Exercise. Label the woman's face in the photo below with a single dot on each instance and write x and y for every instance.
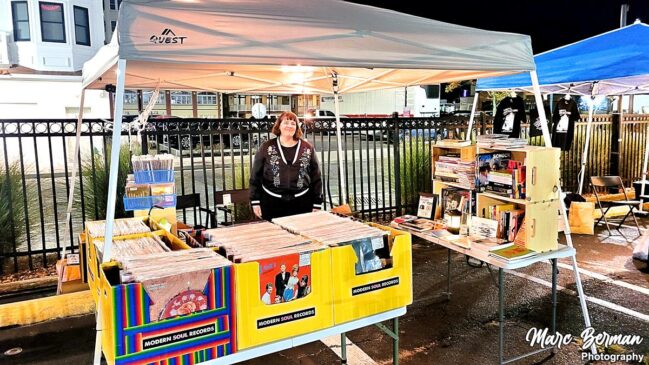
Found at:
(295, 273)
(287, 127)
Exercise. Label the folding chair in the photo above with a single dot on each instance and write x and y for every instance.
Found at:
(606, 183)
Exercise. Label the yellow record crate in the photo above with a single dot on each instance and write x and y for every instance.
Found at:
(259, 323)
(357, 296)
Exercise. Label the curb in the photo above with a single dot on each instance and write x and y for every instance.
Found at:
(45, 309)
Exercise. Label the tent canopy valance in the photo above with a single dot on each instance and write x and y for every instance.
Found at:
(612, 63)
(285, 46)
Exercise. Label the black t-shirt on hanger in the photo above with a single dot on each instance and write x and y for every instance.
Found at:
(535, 123)
(566, 113)
(509, 116)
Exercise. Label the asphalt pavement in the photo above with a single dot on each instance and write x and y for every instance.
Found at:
(462, 330)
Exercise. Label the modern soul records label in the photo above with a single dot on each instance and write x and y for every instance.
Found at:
(175, 337)
(375, 286)
(285, 318)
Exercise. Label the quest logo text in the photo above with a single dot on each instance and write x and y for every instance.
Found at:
(167, 36)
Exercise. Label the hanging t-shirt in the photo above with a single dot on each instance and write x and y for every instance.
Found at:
(509, 116)
(535, 122)
(566, 113)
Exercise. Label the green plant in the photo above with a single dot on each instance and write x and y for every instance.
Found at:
(13, 224)
(242, 211)
(95, 184)
(415, 171)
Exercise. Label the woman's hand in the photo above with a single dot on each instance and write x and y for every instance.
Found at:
(257, 210)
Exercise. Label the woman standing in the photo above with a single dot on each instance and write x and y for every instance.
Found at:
(285, 177)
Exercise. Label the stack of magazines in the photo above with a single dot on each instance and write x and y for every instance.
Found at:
(500, 141)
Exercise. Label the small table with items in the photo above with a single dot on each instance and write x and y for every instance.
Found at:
(502, 265)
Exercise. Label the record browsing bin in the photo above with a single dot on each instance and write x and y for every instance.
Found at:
(259, 323)
(132, 335)
(360, 295)
(94, 262)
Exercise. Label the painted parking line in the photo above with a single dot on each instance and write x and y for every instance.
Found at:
(603, 303)
(354, 353)
(605, 279)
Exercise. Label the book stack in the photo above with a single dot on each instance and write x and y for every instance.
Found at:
(369, 243)
(510, 220)
(511, 252)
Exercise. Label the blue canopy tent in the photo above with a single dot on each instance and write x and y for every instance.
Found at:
(612, 63)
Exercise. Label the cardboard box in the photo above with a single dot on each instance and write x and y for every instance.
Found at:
(358, 296)
(131, 335)
(259, 323)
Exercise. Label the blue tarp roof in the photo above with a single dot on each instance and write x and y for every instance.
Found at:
(615, 62)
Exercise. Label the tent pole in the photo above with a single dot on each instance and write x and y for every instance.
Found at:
(470, 126)
(342, 196)
(112, 189)
(75, 169)
(566, 231)
(584, 156)
(644, 169)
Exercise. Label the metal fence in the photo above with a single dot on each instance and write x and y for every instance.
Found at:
(387, 163)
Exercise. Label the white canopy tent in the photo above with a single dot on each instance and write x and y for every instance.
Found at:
(285, 46)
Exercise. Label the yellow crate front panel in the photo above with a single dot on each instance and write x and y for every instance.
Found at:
(259, 323)
(357, 296)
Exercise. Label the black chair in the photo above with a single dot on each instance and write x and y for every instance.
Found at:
(240, 199)
(606, 184)
(190, 201)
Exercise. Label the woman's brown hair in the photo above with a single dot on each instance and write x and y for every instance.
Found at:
(287, 116)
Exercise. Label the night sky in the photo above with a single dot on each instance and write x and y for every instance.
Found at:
(550, 23)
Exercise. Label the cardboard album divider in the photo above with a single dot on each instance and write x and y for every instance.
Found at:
(358, 296)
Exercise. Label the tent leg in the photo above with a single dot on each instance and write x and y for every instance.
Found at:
(584, 157)
(112, 187)
(643, 177)
(75, 169)
(342, 194)
(470, 126)
(114, 160)
(548, 143)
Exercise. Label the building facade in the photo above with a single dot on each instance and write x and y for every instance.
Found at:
(43, 46)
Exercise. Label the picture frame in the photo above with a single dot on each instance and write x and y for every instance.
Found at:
(427, 205)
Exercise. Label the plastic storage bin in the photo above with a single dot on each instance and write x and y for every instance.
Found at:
(153, 176)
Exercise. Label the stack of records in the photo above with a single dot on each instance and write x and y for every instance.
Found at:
(369, 243)
(256, 241)
(125, 248)
(284, 258)
(157, 265)
(121, 227)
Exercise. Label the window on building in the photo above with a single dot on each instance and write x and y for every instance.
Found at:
(81, 26)
(112, 5)
(21, 20)
(113, 24)
(206, 98)
(52, 24)
(181, 97)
